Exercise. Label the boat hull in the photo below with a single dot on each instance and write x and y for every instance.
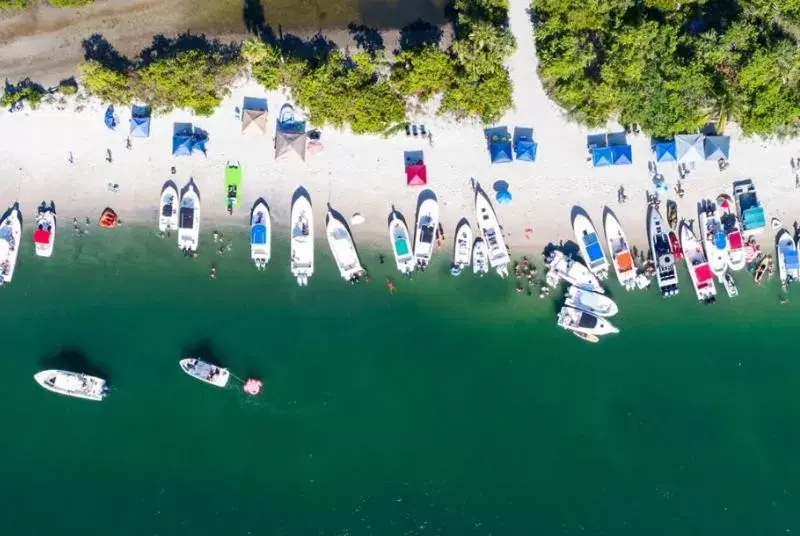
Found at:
(260, 235)
(620, 251)
(425, 232)
(198, 369)
(189, 220)
(46, 224)
(699, 270)
(400, 241)
(492, 234)
(573, 272)
(662, 252)
(342, 247)
(737, 257)
(590, 247)
(786, 250)
(301, 262)
(168, 210)
(591, 302)
(715, 243)
(462, 249)
(573, 319)
(92, 388)
(10, 236)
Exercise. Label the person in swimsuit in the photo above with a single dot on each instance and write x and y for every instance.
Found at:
(390, 286)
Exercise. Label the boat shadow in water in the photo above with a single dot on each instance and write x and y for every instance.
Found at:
(204, 350)
(74, 360)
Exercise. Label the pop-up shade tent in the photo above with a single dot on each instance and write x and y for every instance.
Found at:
(500, 150)
(140, 127)
(602, 156)
(666, 152)
(503, 197)
(689, 147)
(290, 138)
(525, 150)
(416, 174)
(182, 145)
(621, 154)
(717, 147)
(110, 120)
(254, 122)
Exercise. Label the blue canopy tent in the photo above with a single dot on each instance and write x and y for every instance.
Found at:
(525, 150)
(666, 152)
(503, 197)
(140, 127)
(716, 147)
(110, 120)
(621, 155)
(602, 156)
(500, 151)
(182, 145)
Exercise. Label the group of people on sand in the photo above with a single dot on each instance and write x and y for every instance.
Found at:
(76, 226)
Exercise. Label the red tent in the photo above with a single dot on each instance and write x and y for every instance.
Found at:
(416, 175)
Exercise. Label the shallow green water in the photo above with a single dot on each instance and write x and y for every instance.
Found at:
(453, 407)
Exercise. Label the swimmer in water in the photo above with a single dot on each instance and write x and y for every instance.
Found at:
(390, 286)
(213, 273)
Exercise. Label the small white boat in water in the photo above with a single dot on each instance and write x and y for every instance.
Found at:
(573, 319)
(589, 244)
(260, 235)
(733, 232)
(562, 267)
(302, 240)
(620, 251)
(788, 266)
(44, 234)
(730, 285)
(699, 270)
(401, 244)
(480, 257)
(715, 243)
(492, 234)
(205, 372)
(72, 384)
(168, 211)
(10, 234)
(189, 219)
(666, 270)
(343, 248)
(462, 249)
(593, 302)
(427, 222)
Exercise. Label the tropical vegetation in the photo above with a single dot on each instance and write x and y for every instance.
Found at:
(673, 65)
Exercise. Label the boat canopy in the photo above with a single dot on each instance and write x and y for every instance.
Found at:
(720, 240)
(735, 239)
(790, 259)
(703, 273)
(258, 234)
(624, 261)
(593, 248)
(41, 236)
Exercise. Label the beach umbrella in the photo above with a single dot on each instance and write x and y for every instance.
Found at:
(110, 120)
(357, 219)
(503, 197)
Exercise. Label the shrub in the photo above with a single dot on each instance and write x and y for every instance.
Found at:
(12, 5)
(107, 84)
(24, 91)
(70, 3)
(422, 72)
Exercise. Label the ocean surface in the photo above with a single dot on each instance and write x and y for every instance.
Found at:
(454, 407)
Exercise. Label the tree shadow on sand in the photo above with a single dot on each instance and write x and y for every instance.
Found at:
(97, 48)
(366, 38)
(419, 34)
(167, 47)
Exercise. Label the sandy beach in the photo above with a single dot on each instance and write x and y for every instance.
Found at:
(366, 173)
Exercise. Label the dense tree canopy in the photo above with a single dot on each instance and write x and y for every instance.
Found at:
(673, 65)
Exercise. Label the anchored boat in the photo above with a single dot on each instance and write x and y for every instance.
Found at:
(666, 271)
(715, 243)
(699, 270)
(589, 244)
(788, 266)
(44, 235)
(562, 267)
(573, 319)
(168, 211)
(260, 235)
(401, 243)
(205, 372)
(492, 234)
(302, 240)
(10, 234)
(480, 257)
(620, 251)
(342, 247)
(189, 219)
(427, 221)
(462, 249)
(751, 213)
(72, 384)
(733, 232)
(593, 302)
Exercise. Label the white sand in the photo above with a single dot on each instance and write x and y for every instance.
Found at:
(366, 173)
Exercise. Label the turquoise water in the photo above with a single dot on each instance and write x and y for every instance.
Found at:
(453, 407)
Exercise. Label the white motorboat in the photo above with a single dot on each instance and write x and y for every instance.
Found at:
(462, 249)
(666, 270)
(699, 269)
(44, 235)
(302, 245)
(730, 285)
(492, 234)
(168, 211)
(715, 243)
(751, 213)
(343, 248)
(72, 384)
(10, 234)
(573, 319)
(260, 235)
(593, 302)
(480, 257)
(562, 267)
(401, 244)
(189, 219)
(589, 244)
(737, 258)
(205, 372)
(788, 267)
(620, 251)
(427, 222)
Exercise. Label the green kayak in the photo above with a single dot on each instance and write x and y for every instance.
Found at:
(233, 185)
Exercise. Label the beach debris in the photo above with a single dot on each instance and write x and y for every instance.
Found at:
(357, 219)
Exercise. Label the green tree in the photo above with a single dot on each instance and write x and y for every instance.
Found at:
(265, 62)
(13, 5)
(486, 98)
(106, 84)
(70, 3)
(422, 72)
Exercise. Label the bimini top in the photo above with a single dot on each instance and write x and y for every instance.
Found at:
(593, 248)
(735, 238)
(258, 234)
(790, 259)
(703, 274)
(720, 240)
(41, 236)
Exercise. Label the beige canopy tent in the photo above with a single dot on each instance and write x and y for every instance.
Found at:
(254, 122)
(290, 145)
